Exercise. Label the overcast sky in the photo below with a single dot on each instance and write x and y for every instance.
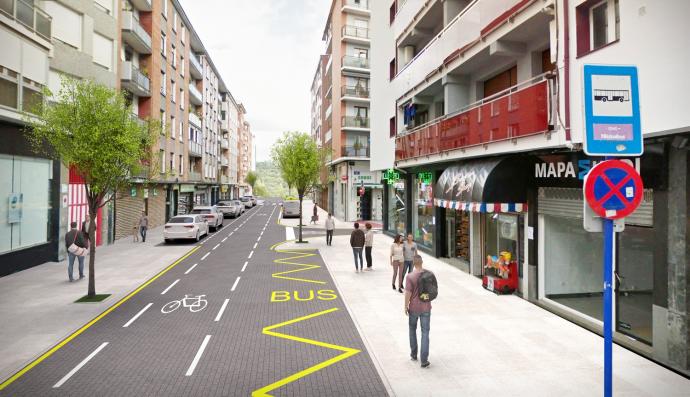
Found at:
(266, 52)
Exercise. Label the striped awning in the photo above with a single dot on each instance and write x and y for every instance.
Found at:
(481, 207)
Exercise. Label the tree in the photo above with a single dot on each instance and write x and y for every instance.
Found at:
(251, 179)
(299, 161)
(90, 127)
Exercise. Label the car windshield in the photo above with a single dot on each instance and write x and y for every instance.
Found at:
(182, 219)
(245, 199)
(224, 203)
(200, 211)
(237, 202)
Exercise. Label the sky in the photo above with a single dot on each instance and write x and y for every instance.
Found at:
(266, 52)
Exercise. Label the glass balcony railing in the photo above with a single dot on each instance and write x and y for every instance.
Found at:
(134, 80)
(355, 62)
(28, 15)
(195, 149)
(354, 151)
(355, 91)
(355, 31)
(134, 34)
(355, 121)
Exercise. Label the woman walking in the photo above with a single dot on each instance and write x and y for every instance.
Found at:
(397, 261)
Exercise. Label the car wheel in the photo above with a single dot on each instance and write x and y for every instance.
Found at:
(166, 241)
(197, 236)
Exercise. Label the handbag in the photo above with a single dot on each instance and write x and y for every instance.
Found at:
(75, 249)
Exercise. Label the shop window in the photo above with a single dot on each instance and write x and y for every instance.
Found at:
(397, 211)
(501, 235)
(635, 295)
(597, 25)
(423, 220)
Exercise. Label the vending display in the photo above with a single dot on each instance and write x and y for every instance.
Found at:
(500, 273)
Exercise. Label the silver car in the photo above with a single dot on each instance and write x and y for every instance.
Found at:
(185, 227)
(212, 215)
(230, 208)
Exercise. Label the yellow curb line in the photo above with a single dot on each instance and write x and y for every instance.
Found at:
(347, 352)
(90, 323)
(300, 253)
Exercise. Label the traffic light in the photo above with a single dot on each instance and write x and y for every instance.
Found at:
(360, 191)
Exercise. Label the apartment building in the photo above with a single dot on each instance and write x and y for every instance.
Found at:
(30, 184)
(229, 147)
(245, 151)
(317, 119)
(354, 192)
(478, 121)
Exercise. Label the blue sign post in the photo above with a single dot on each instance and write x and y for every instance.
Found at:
(612, 128)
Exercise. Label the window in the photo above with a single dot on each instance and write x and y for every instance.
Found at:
(105, 5)
(9, 88)
(163, 120)
(164, 42)
(181, 130)
(165, 9)
(173, 89)
(173, 54)
(32, 97)
(181, 66)
(391, 70)
(392, 127)
(183, 33)
(67, 24)
(597, 23)
(181, 166)
(174, 21)
(103, 51)
(161, 158)
(172, 162)
(173, 125)
(164, 82)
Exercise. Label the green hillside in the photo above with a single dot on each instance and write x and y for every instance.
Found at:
(270, 182)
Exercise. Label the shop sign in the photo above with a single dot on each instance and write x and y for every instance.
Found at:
(425, 177)
(14, 215)
(391, 175)
(399, 185)
(186, 188)
(569, 168)
(133, 192)
(224, 188)
(155, 191)
(343, 177)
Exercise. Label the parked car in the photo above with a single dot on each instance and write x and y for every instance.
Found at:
(247, 202)
(212, 215)
(291, 209)
(185, 227)
(260, 200)
(239, 205)
(229, 208)
(252, 198)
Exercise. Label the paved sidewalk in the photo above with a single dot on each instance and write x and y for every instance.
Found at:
(481, 344)
(37, 305)
(308, 208)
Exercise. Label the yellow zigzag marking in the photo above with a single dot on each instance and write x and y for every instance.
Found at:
(347, 352)
(303, 266)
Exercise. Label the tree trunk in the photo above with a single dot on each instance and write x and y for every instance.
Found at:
(301, 197)
(93, 211)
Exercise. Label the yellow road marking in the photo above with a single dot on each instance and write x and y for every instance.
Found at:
(347, 352)
(299, 254)
(90, 323)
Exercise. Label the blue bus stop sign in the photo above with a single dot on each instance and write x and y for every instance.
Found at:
(612, 111)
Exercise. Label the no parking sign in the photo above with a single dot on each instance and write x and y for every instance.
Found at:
(613, 189)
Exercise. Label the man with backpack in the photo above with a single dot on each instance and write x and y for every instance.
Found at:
(420, 289)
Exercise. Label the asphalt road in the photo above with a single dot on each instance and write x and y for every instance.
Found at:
(257, 321)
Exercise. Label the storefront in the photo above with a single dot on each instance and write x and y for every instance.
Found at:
(395, 219)
(185, 199)
(423, 217)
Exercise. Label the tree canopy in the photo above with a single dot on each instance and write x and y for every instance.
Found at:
(251, 179)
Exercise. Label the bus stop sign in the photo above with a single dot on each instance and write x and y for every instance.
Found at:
(613, 189)
(612, 111)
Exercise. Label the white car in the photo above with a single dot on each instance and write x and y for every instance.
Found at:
(230, 208)
(247, 202)
(186, 227)
(213, 215)
(291, 209)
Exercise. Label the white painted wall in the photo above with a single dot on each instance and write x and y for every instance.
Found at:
(654, 36)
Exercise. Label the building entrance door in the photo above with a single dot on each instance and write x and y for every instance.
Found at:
(365, 205)
(450, 234)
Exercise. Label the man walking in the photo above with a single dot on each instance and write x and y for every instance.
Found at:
(315, 214)
(417, 309)
(75, 236)
(330, 227)
(368, 244)
(143, 226)
(85, 227)
(409, 251)
(357, 243)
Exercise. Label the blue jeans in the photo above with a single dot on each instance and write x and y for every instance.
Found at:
(425, 320)
(407, 268)
(70, 265)
(357, 251)
(142, 231)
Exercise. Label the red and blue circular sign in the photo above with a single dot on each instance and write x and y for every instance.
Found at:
(613, 189)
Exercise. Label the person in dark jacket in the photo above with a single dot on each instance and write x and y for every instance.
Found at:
(75, 236)
(85, 226)
(357, 239)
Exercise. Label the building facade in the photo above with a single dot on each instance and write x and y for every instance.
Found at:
(245, 151)
(477, 118)
(354, 192)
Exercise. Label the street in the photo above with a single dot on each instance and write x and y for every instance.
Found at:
(255, 321)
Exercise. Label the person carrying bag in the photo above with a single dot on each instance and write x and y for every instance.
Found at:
(77, 247)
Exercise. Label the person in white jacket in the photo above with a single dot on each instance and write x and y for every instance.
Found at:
(397, 258)
(330, 227)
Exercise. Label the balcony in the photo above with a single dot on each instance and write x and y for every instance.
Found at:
(134, 81)
(224, 162)
(355, 151)
(355, 34)
(519, 111)
(134, 34)
(357, 7)
(195, 68)
(355, 122)
(32, 17)
(142, 5)
(354, 93)
(195, 149)
(194, 120)
(195, 96)
(224, 144)
(194, 176)
(225, 180)
(354, 63)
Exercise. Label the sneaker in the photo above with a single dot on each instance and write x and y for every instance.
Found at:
(413, 357)
(426, 364)
(81, 276)
(400, 290)
(393, 287)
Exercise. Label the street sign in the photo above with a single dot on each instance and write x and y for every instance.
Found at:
(612, 111)
(613, 189)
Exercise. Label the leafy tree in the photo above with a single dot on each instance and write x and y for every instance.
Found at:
(299, 161)
(90, 127)
(251, 179)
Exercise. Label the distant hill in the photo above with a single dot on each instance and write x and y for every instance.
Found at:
(270, 179)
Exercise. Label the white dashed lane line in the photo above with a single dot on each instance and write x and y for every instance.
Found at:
(222, 309)
(245, 265)
(255, 244)
(204, 257)
(217, 245)
(250, 255)
(223, 240)
(235, 285)
(191, 268)
(170, 286)
(136, 316)
(80, 365)
(199, 353)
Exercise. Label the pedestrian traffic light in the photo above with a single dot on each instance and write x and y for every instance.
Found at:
(360, 191)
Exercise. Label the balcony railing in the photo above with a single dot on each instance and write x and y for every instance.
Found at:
(355, 62)
(194, 176)
(355, 122)
(194, 95)
(354, 151)
(358, 4)
(519, 111)
(355, 31)
(142, 5)
(355, 91)
(224, 162)
(194, 119)
(134, 34)
(28, 15)
(195, 67)
(224, 144)
(225, 179)
(134, 81)
(195, 149)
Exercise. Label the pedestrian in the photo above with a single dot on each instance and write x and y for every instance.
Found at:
(76, 245)
(315, 214)
(368, 244)
(135, 231)
(417, 309)
(85, 227)
(409, 250)
(357, 243)
(330, 227)
(143, 226)
(397, 261)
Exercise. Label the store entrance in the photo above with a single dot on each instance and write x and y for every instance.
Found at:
(365, 205)
(458, 238)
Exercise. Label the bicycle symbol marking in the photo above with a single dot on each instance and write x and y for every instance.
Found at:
(194, 303)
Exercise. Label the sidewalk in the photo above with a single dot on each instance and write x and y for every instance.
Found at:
(308, 210)
(481, 344)
(37, 305)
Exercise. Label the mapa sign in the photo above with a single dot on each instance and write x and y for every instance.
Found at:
(612, 111)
